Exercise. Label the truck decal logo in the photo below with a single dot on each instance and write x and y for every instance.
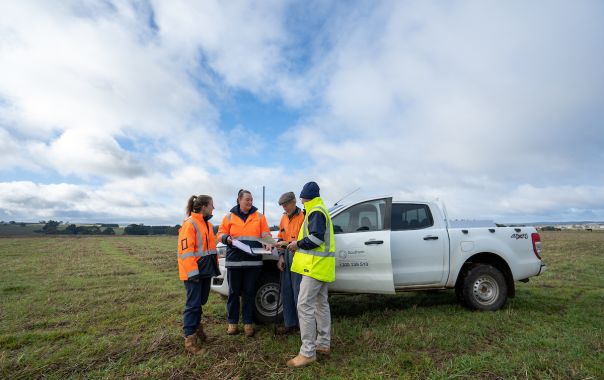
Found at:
(344, 253)
(519, 236)
(352, 258)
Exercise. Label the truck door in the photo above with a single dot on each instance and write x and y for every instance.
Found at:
(419, 246)
(362, 237)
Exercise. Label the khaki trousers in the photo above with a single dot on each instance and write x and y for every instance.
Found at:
(314, 315)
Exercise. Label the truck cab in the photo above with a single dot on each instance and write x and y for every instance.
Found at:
(385, 245)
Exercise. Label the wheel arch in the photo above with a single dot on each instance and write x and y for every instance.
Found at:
(493, 260)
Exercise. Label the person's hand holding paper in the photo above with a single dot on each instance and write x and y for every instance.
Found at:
(242, 246)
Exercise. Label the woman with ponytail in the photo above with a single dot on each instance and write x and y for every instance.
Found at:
(197, 264)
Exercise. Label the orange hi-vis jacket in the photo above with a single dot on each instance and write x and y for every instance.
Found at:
(289, 227)
(247, 231)
(195, 241)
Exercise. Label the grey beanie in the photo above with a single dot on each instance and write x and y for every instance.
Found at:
(287, 197)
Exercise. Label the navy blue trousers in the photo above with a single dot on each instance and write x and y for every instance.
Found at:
(197, 296)
(242, 283)
(290, 288)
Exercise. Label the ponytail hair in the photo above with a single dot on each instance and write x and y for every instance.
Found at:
(196, 202)
(241, 193)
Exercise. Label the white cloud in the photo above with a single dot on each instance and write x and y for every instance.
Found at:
(73, 72)
(240, 41)
(466, 101)
(89, 153)
(97, 70)
(532, 200)
(492, 107)
(11, 153)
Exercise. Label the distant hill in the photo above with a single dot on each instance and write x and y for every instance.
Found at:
(558, 223)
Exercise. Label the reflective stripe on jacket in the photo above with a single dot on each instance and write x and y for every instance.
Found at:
(247, 231)
(195, 240)
(320, 262)
(289, 228)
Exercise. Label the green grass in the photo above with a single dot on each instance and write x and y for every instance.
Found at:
(110, 307)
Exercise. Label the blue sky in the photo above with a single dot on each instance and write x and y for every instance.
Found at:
(120, 110)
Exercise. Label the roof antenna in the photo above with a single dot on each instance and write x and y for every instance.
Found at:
(352, 192)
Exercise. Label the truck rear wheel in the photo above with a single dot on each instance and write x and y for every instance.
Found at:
(484, 288)
(267, 296)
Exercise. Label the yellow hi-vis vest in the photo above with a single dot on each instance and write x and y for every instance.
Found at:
(318, 263)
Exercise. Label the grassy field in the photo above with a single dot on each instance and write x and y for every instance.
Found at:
(110, 307)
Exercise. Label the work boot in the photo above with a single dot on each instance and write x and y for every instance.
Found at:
(201, 335)
(192, 346)
(300, 361)
(248, 330)
(287, 330)
(233, 329)
(322, 350)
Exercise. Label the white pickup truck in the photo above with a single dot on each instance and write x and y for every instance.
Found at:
(387, 246)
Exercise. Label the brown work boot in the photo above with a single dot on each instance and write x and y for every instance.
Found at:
(233, 329)
(287, 330)
(300, 361)
(323, 350)
(248, 330)
(192, 346)
(201, 335)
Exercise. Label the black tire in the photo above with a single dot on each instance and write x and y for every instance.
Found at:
(459, 294)
(459, 286)
(484, 288)
(265, 301)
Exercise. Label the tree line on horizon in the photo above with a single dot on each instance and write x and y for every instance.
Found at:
(51, 227)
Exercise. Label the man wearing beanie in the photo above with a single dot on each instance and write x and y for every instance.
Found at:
(315, 261)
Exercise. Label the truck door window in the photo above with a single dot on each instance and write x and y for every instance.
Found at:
(406, 216)
(367, 216)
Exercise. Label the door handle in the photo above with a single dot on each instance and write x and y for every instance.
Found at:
(430, 237)
(374, 242)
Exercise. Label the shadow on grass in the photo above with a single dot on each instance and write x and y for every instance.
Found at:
(344, 305)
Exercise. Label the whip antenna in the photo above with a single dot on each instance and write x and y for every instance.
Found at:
(352, 192)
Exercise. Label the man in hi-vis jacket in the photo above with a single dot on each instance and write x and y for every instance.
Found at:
(315, 261)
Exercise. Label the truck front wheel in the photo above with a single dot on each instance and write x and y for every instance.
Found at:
(484, 288)
(267, 297)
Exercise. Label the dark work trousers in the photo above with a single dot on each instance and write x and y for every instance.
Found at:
(290, 287)
(197, 295)
(242, 283)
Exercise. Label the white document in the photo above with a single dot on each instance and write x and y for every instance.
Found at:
(261, 251)
(242, 246)
(254, 251)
